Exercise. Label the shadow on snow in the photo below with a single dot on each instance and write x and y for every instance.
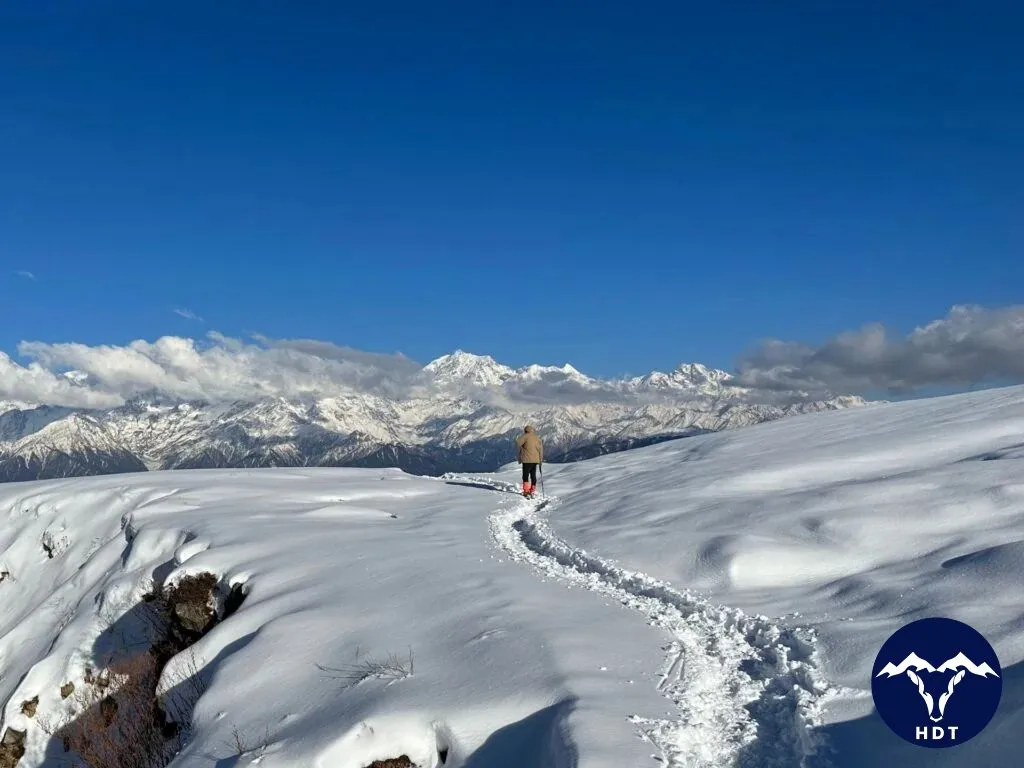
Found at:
(540, 740)
(867, 741)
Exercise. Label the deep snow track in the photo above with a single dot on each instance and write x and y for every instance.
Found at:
(747, 690)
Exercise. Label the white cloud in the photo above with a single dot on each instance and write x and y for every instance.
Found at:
(188, 314)
(971, 345)
(35, 384)
(221, 368)
(372, 371)
(26, 274)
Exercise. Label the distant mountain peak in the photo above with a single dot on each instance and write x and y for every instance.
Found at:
(461, 367)
(76, 378)
(694, 378)
(701, 371)
(552, 370)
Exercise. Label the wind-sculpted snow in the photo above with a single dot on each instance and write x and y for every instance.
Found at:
(377, 621)
(747, 690)
(717, 601)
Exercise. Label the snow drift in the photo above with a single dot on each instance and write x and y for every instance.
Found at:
(716, 601)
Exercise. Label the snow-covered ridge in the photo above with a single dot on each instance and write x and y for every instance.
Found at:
(461, 369)
(459, 416)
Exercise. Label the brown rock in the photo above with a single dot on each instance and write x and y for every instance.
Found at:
(12, 747)
(194, 617)
(393, 762)
(191, 601)
(28, 708)
(66, 690)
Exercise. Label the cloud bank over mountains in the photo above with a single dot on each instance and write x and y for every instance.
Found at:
(970, 345)
(224, 369)
(217, 368)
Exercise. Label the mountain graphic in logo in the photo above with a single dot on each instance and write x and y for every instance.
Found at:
(942, 721)
(913, 661)
(960, 661)
(959, 665)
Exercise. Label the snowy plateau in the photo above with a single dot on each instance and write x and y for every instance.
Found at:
(714, 602)
(460, 415)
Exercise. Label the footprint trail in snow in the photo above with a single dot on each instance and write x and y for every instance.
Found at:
(747, 690)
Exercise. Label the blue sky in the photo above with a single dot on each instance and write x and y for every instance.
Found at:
(619, 185)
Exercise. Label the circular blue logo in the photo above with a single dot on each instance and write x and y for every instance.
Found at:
(936, 682)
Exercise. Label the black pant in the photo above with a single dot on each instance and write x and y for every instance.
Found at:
(530, 473)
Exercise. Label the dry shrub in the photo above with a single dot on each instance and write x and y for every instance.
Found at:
(119, 720)
(393, 668)
(122, 724)
(242, 744)
(119, 725)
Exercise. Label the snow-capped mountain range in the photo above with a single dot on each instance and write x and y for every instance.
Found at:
(460, 414)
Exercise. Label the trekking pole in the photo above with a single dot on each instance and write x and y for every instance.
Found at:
(540, 468)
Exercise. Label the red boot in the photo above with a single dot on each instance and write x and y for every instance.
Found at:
(528, 490)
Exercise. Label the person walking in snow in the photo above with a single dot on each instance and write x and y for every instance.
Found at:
(531, 455)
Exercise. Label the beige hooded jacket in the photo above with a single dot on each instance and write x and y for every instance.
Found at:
(531, 449)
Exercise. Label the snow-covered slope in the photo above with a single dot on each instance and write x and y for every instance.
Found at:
(342, 567)
(709, 602)
(851, 523)
(460, 416)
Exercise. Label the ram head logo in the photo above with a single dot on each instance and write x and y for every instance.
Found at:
(914, 665)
